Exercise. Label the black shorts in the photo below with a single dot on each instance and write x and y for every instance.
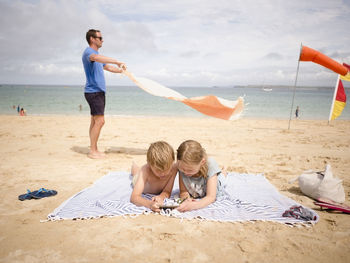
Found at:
(97, 102)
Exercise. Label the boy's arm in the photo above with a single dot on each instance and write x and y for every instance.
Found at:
(136, 195)
(166, 193)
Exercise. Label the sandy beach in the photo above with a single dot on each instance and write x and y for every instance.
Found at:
(50, 152)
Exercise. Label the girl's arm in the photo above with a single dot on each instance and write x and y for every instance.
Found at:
(136, 195)
(191, 204)
(184, 194)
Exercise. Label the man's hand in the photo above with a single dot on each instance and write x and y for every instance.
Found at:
(122, 65)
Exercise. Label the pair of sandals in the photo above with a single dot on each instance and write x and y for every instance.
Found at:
(331, 205)
(38, 194)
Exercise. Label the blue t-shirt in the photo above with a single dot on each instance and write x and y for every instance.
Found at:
(95, 78)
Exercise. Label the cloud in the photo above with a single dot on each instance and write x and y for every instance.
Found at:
(340, 56)
(273, 56)
(176, 42)
(190, 54)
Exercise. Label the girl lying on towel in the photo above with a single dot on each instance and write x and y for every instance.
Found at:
(199, 176)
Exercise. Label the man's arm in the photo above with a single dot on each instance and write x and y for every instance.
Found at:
(112, 69)
(107, 60)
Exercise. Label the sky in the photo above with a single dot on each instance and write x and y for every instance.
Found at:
(176, 43)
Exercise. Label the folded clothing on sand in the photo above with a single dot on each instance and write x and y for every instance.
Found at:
(248, 197)
(299, 212)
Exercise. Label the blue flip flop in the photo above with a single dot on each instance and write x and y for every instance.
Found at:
(26, 196)
(38, 194)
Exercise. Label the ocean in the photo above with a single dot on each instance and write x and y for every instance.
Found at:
(314, 102)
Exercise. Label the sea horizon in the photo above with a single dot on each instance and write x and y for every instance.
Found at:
(187, 86)
(261, 101)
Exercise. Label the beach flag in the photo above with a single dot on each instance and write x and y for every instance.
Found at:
(209, 105)
(309, 54)
(347, 76)
(339, 97)
(339, 100)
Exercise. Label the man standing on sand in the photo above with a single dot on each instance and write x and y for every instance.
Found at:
(95, 86)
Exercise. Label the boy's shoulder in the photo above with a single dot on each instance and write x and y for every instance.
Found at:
(147, 172)
(146, 169)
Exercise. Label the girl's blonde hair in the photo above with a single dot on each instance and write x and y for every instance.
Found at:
(191, 152)
(160, 155)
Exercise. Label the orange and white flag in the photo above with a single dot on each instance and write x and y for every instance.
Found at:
(209, 105)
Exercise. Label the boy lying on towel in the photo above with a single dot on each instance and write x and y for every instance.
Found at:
(155, 177)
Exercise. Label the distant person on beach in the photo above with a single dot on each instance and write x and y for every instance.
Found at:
(199, 177)
(95, 86)
(18, 108)
(22, 112)
(155, 177)
(297, 113)
(80, 107)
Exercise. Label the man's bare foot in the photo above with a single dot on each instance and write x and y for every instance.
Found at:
(96, 155)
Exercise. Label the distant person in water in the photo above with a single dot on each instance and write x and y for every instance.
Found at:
(80, 107)
(95, 86)
(297, 113)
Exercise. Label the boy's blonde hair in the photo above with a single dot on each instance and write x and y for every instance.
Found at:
(191, 152)
(160, 155)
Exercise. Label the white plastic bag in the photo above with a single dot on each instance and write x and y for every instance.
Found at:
(322, 185)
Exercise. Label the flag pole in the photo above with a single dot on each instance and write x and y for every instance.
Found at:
(295, 85)
(334, 96)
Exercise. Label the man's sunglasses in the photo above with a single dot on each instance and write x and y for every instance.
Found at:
(99, 38)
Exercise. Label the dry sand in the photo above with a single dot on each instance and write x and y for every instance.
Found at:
(50, 152)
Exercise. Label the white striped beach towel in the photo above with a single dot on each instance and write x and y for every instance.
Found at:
(248, 197)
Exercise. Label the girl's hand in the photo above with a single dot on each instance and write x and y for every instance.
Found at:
(187, 205)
